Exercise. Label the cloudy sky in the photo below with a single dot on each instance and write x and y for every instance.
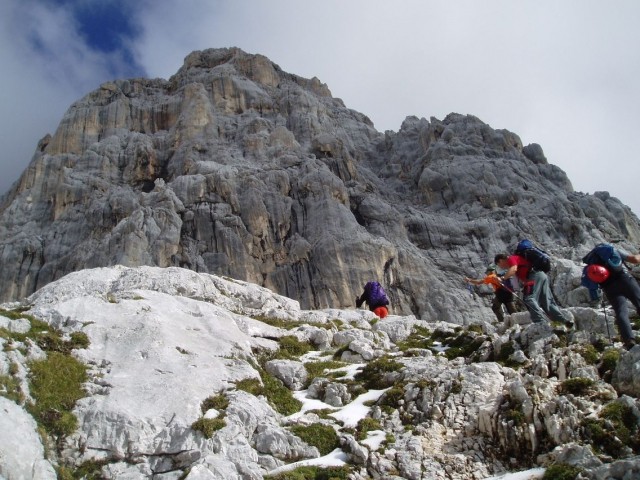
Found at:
(563, 74)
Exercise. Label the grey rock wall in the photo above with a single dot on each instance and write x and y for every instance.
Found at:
(235, 167)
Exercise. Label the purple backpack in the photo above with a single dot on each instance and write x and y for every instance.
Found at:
(375, 294)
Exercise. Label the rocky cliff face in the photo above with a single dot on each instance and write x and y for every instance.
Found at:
(235, 167)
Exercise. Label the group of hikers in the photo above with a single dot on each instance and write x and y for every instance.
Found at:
(526, 270)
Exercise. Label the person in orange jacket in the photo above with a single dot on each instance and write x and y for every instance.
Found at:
(503, 295)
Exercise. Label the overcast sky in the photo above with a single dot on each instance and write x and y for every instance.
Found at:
(563, 74)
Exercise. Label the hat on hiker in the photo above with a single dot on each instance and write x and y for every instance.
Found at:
(491, 268)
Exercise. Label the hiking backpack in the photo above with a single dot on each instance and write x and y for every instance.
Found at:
(539, 259)
(604, 254)
(376, 295)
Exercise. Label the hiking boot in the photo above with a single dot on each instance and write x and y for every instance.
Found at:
(629, 344)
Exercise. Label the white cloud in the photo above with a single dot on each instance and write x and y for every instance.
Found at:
(560, 74)
(46, 67)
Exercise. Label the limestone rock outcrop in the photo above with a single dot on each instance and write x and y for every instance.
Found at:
(193, 376)
(235, 167)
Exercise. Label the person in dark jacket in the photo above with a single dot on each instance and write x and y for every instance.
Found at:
(375, 297)
(618, 287)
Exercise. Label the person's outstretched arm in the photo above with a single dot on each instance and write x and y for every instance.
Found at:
(633, 258)
(360, 300)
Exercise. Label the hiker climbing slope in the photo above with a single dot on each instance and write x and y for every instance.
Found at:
(530, 265)
(375, 297)
(503, 295)
(617, 284)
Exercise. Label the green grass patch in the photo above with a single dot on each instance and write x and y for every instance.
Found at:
(373, 375)
(463, 346)
(601, 438)
(461, 343)
(577, 386)
(337, 375)
(506, 350)
(365, 426)
(89, 470)
(208, 426)
(609, 361)
(42, 334)
(616, 429)
(476, 328)
(10, 388)
(338, 354)
(456, 385)
(624, 423)
(291, 348)
(420, 337)
(217, 402)
(324, 413)
(516, 416)
(16, 313)
(250, 385)
(561, 471)
(317, 369)
(590, 354)
(323, 437)
(390, 400)
(278, 396)
(56, 385)
(37, 328)
(313, 473)
(291, 324)
(277, 322)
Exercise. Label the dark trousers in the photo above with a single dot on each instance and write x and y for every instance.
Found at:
(503, 297)
(618, 290)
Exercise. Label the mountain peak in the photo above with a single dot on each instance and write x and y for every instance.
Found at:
(234, 167)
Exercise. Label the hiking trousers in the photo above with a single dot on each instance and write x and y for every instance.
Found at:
(618, 291)
(503, 297)
(539, 299)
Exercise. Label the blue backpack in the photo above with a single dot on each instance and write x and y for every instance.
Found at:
(604, 254)
(376, 295)
(539, 259)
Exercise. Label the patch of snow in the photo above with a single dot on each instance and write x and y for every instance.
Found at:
(355, 411)
(533, 474)
(337, 458)
(374, 439)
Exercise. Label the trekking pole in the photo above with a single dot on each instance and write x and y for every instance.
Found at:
(467, 281)
(524, 303)
(470, 288)
(510, 290)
